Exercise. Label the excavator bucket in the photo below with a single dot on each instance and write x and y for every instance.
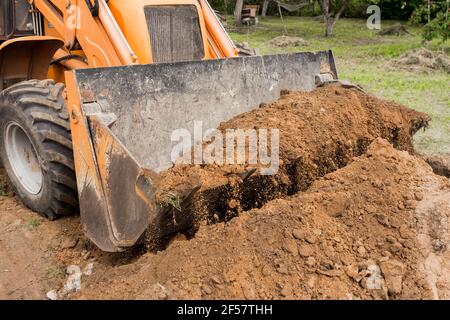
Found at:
(122, 119)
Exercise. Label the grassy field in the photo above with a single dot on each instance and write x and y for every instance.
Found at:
(362, 56)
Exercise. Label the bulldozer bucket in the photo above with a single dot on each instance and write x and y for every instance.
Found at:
(122, 119)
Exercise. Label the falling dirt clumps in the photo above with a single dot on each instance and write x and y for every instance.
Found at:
(422, 60)
(287, 41)
(319, 132)
(375, 229)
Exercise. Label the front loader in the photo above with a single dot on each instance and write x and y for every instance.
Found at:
(92, 90)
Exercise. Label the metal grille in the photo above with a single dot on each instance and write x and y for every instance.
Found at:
(175, 33)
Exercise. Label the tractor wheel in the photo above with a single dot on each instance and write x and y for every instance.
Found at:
(36, 147)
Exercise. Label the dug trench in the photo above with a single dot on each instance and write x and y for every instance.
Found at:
(319, 132)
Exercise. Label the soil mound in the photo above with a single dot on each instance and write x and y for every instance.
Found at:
(320, 132)
(286, 41)
(376, 229)
(422, 60)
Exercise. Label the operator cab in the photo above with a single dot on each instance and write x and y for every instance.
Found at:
(16, 19)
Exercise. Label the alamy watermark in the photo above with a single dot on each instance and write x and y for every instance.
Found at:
(374, 20)
(257, 147)
(73, 18)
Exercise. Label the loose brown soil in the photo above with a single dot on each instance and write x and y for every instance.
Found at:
(352, 214)
(35, 252)
(320, 132)
(354, 234)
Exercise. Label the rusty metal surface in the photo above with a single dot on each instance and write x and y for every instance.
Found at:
(93, 207)
(128, 191)
(150, 101)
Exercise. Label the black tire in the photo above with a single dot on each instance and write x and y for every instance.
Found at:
(38, 108)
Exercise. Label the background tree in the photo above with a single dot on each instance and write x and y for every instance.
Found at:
(332, 11)
(238, 12)
(264, 7)
(434, 15)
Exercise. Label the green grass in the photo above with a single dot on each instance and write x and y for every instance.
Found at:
(54, 272)
(362, 57)
(174, 201)
(348, 35)
(33, 223)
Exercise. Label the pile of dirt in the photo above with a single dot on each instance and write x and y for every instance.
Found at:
(376, 229)
(287, 41)
(320, 132)
(395, 30)
(422, 60)
(344, 217)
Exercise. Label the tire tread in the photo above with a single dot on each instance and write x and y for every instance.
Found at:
(43, 104)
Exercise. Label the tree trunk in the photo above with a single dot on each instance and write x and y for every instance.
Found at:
(238, 12)
(265, 6)
(329, 27)
(329, 19)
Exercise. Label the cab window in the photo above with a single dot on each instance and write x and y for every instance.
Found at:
(3, 13)
(22, 15)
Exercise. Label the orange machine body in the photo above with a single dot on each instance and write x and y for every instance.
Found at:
(119, 35)
(123, 101)
(75, 34)
(100, 44)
